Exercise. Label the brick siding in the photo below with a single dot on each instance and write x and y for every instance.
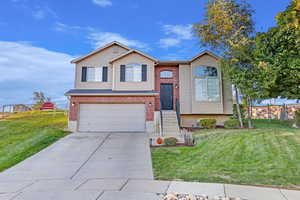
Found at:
(147, 100)
(174, 80)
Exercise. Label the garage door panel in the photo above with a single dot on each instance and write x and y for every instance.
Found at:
(111, 117)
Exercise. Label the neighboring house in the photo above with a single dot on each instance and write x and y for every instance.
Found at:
(122, 89)
(15, 108)
(47, 106)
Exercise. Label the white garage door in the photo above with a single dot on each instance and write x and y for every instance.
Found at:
(111, 117)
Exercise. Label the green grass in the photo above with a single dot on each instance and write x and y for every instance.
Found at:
(268, 155)
(24, 134)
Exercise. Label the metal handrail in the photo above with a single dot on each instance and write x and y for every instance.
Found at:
(161, 118)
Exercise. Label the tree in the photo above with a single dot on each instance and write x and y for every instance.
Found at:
(277, 54)
(228, 27)
(39, 98)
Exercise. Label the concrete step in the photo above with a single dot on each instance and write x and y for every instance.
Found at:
(170, 123)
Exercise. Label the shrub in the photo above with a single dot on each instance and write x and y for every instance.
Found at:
(208, 123)
(232, 123)
(297, 117)
(171, 141)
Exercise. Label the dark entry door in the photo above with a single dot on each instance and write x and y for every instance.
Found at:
(166, 96)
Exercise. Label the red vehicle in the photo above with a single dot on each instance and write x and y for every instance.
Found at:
(47, 106)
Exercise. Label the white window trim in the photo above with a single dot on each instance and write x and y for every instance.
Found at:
(171, 72)
(206, 78)
(98, 74)
(135, 74)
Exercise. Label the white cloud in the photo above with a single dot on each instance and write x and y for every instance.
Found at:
(25, 68)
(99, 39)
(169, 42)
(61, 27)
(102, 3)
(177, 34)
(183, 32)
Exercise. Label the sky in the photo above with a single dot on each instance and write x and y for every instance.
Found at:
(38, 39)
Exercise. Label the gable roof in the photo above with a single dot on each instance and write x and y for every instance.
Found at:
(100, 49)
(133, 51)
(203, 53)
(177, 62)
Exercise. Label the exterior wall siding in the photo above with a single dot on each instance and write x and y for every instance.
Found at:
(185, 89)
(174, 80)
(133, 58)
(147, 100)
(188, 104)
(98, 60)
(191, 121)
(206, 107)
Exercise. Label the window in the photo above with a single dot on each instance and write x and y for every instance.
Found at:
(166, 74)
(133, 72)
(206, 84)
(94, 74)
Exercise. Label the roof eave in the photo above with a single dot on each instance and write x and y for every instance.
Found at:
(98, 50)
(133, 51)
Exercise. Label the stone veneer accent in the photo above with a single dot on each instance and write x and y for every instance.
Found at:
(274, 111)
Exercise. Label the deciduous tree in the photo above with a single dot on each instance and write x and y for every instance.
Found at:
(228, 26)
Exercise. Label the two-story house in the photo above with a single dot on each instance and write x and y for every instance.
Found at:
(119, 89)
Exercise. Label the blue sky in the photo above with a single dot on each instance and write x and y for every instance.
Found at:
(39, 38)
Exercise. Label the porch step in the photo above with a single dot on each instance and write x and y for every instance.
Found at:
(170, 123)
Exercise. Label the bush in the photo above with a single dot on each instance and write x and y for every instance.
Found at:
(232, 123)
(297, 117)
(171, 141)
(208, 123)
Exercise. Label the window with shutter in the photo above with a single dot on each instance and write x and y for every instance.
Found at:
(94, 74)
(133, 72)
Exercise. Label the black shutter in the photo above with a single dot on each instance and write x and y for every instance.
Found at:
(122, 73)
(144, 72)
(104, 74)
(83, 74)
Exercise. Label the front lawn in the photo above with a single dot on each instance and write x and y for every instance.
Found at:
(268, 155)
(24, 134)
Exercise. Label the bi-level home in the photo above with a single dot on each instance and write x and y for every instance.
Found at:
(119, 89)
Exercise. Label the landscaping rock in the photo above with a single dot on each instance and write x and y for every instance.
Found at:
(196, 197)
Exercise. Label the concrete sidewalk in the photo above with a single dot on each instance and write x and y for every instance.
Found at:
(131, 189)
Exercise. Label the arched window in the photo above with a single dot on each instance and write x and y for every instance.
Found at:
(207, 84)
(166, 74)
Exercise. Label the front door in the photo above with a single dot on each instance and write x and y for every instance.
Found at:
(166, 96)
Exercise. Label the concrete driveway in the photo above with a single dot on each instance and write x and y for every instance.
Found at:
(86, 156)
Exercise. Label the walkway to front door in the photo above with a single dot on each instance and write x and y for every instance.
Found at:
(166, 96)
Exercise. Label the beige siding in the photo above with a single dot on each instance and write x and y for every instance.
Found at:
(188, 104)
(100, 59)
(185, 89)
(192, 120)
(133, 58)
(206, 107)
